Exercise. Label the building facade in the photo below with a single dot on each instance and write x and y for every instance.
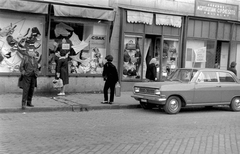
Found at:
(176, 33)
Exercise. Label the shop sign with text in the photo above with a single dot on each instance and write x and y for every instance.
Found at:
(216, 10)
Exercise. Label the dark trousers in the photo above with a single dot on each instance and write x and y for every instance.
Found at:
(107, 85)
(29, 83)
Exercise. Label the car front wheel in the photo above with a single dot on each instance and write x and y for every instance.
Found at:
(173, 105)
(235, 104)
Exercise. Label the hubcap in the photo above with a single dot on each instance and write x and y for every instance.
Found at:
(237, 102)
(174, 104)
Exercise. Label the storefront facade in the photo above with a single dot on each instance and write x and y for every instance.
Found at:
(47, 28)
(167, 33)
(205, 37)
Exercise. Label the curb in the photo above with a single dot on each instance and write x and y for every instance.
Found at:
(73, 108)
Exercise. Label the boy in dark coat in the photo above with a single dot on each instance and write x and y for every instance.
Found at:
(110, 76)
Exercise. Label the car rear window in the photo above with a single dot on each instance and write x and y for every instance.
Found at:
(225, 77)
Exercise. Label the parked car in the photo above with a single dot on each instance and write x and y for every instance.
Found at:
(190, 87)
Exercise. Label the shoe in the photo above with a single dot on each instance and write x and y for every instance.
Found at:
(110, 102)
(61, 94)
(30, 105)
(23, 107)
(104, 102)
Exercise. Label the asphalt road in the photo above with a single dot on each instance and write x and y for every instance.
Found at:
(124, 131)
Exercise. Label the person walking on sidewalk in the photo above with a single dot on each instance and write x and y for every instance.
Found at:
(29, 71)
(232, 67)
(110, 76)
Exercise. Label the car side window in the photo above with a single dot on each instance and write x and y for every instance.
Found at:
(225, 77)
(207, 77)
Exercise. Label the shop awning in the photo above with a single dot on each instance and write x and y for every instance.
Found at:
(24, 6)
(168, 20)
(139, 17)
(93, 13)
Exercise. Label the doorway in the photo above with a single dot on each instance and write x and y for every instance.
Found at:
(163, 52)
(222, 51)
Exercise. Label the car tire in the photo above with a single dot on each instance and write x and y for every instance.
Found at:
(235, 104)
(173, 105)
(146, 106)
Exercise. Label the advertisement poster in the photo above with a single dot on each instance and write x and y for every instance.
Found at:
(200, 54)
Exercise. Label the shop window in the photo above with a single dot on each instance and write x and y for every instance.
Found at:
(132, 57)
(201, 54)
(19, 34)
(84, 43)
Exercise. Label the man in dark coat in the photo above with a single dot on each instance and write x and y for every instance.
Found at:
(232, 67)
(29, 70)
(110, 76)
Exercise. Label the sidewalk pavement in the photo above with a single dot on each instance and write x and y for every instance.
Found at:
(11, 102)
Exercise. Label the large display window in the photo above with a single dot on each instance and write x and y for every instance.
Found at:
(84, 43)
(202, 54)
(132, 57)
(19, 33)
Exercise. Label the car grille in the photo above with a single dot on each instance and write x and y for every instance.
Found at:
(144, 90)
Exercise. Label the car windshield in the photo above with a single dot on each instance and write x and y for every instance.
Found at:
(182, 75)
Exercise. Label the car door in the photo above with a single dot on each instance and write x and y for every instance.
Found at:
(229, 86)
(207, 88)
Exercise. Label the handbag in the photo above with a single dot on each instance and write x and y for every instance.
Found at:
(117, 90)
(57, 83)
(20, 82)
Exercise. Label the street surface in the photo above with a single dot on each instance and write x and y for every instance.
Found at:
(124, 131)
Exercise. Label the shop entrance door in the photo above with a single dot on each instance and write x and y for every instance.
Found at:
(152, 48)
(221, 57)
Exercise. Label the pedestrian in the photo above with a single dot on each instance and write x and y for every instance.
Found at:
(62, 71)
(110, 76)
(151, 73)
(29, 71)
(232, 67)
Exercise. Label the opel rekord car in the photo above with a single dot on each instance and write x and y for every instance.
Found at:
(190, 87)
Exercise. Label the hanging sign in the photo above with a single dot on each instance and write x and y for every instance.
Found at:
(216, 10)
(200, 54)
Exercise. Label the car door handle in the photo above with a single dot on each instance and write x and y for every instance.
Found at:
(219, 86)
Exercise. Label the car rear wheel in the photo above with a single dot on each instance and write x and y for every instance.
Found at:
(235, 104)
(145, 105)
(173, 105)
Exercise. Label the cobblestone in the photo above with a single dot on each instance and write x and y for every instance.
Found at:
(132, 131)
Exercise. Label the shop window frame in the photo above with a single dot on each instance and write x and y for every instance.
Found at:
(79, 21)
(42, 19)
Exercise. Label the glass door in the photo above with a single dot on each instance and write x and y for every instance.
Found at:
(169, 59)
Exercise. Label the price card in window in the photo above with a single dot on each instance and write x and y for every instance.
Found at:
(66, 46)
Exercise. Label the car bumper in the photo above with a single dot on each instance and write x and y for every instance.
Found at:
(159, 100)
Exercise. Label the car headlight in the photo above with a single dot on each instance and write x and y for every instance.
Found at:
(136, 89)
(157, 92)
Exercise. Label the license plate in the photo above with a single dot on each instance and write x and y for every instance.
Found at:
(143, 100)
